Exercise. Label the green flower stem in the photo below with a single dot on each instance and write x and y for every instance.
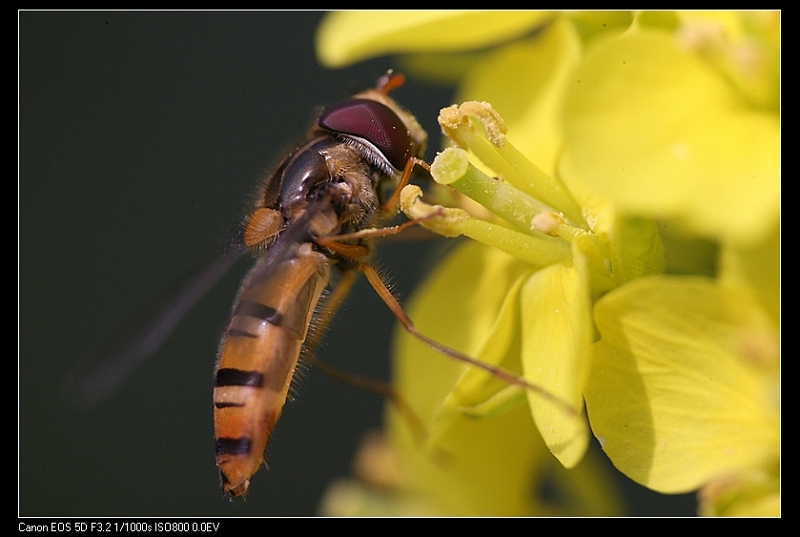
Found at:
(525, 213)
(479, 128)
(452, 167)
(533, 247)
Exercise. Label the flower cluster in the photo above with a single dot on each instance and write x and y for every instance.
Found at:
(625, 257)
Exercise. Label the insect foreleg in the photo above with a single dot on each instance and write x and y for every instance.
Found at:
(390, 206)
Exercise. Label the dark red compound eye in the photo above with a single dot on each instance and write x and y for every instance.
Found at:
(375, 123)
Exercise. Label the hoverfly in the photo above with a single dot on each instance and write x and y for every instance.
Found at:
(316, 213)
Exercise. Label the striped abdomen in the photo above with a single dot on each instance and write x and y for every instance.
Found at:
(258, 358)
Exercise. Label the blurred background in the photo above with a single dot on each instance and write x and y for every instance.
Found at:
(141, 138)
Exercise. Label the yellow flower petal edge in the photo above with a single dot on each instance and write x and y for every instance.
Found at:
(684, 382)
(556, 332)
(346, 37)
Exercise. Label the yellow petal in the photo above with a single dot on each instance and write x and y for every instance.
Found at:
(496, 466)
(525, 83)
(347, 37)
(458, 306)
(555, 353)
(477, 467)
(683, 387)
(757, 267)
(743, 45)
(654, 129)
(477, 392)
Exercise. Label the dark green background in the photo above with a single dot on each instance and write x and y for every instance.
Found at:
(141, 138)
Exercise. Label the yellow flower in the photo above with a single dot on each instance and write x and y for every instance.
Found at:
(610, 121)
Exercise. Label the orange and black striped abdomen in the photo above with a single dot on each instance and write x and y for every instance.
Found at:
(258, 358)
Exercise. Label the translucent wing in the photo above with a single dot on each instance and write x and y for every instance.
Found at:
(106, 370)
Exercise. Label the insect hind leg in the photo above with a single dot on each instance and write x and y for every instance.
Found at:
(388, 298)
